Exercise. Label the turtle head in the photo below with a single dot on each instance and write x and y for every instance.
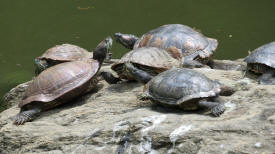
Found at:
(130, 68)
(103, 50)
(127, 40)
(40, 65)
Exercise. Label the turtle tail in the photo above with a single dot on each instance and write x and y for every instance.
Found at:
(25, 116)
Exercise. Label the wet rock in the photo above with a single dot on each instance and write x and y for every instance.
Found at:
(113, 120)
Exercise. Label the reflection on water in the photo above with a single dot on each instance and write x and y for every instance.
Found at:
(28, 28)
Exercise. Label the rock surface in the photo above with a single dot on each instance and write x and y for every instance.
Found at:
(112, 120)
(15, 94)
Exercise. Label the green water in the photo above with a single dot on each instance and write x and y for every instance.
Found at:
(29, 27)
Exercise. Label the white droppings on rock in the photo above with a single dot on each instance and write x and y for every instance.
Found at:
(75, 121)
(149, 124)
(258, 145)
(153, 121)
(92, 134)
(99, 148)
(178, 132)
(230, 106)
(245, 81)
(77, 148)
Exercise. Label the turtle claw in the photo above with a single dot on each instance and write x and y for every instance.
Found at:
(218, 110)
(21, 118)
(25, 116)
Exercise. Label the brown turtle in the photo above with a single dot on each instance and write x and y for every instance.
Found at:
(61, 83)
(59, 54)
(141, 64)
(181, 41)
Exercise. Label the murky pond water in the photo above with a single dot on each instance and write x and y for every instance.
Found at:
(28, 28)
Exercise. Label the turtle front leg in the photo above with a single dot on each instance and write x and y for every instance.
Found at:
(40, 65)
(216, 108)
(140, 75)
(127, 40)
(110, 78)
(25, 116)
(267, 78)
(143, 96)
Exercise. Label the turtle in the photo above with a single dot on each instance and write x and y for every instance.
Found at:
(62, 53)
(141, 64)
(180, 41)
(186, 89)
(61, 83)
(262, 61)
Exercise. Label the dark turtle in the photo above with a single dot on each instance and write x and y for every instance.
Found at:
(141, 64)
(185, 88)
(60, 84)
(59, 54)
(262, 61)
(181, 41)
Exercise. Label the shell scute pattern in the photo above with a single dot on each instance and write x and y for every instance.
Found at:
(152, 57)
(181, 37)
(66, 52)
(263, 55)
(56, 81)
(177, 86)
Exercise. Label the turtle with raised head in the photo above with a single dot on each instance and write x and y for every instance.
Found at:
(61, 83)
(180, 41)
(62, 53)
(141, 64)
(262, 61)
(186, 89)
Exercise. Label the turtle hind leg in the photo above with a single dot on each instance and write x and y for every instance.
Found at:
(267, 78)
(110, 78)
(25, 116)
(140, 75)
(216, 108)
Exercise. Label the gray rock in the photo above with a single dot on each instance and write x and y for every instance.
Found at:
(237, 65)
(112, 120)
(15, 95)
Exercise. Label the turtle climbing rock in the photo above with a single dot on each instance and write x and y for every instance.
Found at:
(61, 53)
(141, 64)
(186, 89)
(180, 41)
(262, 61)
(60, 84)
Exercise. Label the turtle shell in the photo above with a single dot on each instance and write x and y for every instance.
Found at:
(263, 55)
(178, 87)
(179, 40)
(61, 82)
(152, 58)
(66, 52)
